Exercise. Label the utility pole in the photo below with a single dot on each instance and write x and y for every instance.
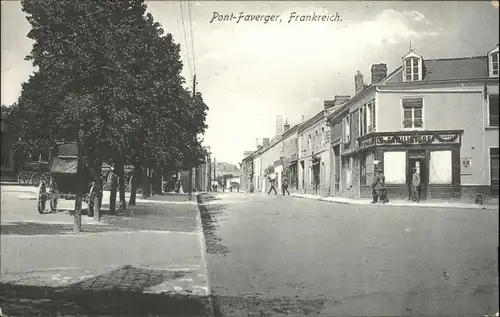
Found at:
(191, 168)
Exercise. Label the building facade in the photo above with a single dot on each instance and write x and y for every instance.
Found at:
(438, 116)
(314, 156)
(290, 155)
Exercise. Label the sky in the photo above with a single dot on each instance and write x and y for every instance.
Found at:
(250, 72)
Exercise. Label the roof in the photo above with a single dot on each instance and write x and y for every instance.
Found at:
(449, 69)
(289, 131)
(311, 121)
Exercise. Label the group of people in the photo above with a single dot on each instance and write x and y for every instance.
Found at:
(380, 192)
(223, 186)
(284, 184)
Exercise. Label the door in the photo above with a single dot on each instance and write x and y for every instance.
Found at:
(419, 164)
(302, 167)
(494, 171)
(336, 153)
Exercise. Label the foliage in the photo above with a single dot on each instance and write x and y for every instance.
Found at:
(106, 67)
(269, 170)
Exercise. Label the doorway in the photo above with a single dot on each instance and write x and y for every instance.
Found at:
(303, 169)
(421, 166)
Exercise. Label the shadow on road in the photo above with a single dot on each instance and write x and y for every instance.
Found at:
(213, 243)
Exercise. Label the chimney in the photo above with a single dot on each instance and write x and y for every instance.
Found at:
(340, 99)
(265, 142)
(379, 72)
(358, 82)
(302, 118)
(329, 104)
(286, 127)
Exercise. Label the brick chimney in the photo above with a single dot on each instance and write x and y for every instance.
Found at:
(340, 99)
(358, 82)
(265, 142)
(329, 104)
(379, 72)
(286, 126)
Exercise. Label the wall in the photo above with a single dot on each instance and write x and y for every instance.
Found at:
(462, 110)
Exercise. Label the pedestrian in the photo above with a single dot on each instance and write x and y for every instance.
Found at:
(272, 180)
(415, 185)
(238, 187)
(284, 186)
(378, 187)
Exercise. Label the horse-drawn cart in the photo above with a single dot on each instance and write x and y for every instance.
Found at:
(61, 181)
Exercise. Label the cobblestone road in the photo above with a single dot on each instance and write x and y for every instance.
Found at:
(285, 256)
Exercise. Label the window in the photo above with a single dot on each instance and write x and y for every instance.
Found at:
(362, 121)
(395, 167)
(346, 133)
(412, 113)
(370, 116)
(322, 136)
(362, 170)
(494, 64)
(412, 69)
(494, 113)
(440, 167)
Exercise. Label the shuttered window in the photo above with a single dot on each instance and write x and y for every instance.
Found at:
(494, 113)
(412, 113)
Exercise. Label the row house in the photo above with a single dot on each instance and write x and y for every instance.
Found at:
(289, 155)
(439, 116)
(314, 155)
(270, 158)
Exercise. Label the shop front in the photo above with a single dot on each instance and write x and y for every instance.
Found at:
(435, 155)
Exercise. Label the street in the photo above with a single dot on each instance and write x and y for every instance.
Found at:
(265, 256)
(276, 256)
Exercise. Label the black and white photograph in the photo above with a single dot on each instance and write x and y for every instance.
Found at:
(249, 158)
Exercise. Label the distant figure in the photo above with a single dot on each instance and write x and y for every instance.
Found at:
(178, 186)
(214, 185)
(415, 186)
(238, 187)
(378, 187)
(284, 186)
(272, 180)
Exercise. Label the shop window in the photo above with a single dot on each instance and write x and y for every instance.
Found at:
(412, 113)
(440, 167)
(362, 170)
(395, 167)
(494, 113)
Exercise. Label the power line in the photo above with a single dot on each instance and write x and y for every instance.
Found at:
(185, 37)
(192, 37)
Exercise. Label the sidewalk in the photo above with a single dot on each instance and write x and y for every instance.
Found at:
(155, 247)
(399, 203)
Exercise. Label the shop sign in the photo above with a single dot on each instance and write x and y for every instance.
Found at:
(417, 138)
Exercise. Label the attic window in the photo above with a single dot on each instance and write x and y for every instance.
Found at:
(412, 69)
(494, 63)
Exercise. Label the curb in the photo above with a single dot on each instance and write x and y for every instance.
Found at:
(442, 205)
(203, 252)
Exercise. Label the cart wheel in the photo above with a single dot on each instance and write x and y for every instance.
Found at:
(20, 178)
(53, 204)
(35, 179)
(42, 198)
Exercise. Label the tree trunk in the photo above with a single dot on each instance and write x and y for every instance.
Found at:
(112, 196)
(97, 191)
(190, 184)
(133, 186)
(77, 225)
(120, 170)
(157, 181)
(146, 190)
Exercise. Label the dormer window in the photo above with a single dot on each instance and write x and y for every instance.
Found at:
(412, 67)
(493, 62)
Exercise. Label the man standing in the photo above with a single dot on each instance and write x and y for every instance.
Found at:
(378, 187)
(415, 186)
(272, 180)
(284, 186)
